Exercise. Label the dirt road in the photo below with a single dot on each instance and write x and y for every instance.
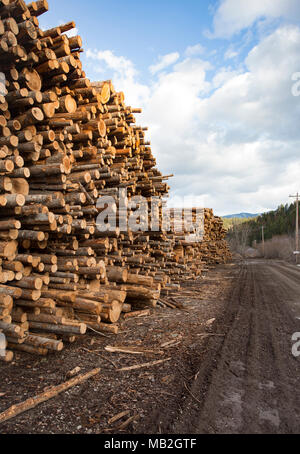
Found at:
(249, 381)
(229, 367)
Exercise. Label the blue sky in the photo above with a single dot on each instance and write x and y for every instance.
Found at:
(138, 29)
(214, 79)
(142, 30)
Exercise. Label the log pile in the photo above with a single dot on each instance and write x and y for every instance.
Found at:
(198, 244)
(66, 144)
(214, 247)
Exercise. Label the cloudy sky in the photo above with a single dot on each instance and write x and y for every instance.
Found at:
(217, 82)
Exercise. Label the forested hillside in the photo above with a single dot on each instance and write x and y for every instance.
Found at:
(276, 223)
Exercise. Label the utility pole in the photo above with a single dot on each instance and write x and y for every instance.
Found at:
(263, 239)
(297, 224)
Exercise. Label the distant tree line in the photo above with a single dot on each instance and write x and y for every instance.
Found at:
(278, 222)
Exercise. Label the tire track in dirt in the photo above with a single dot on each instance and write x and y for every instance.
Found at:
(204, 418)
(254, 385)
(281, 327)
(267, 400)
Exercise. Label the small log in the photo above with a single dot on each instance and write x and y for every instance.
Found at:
(58, 329)
(103, 327)
(32, 402)
(144, 365)
(143, 313)
(42, 342)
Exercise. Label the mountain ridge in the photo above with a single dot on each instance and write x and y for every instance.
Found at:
(241, 216)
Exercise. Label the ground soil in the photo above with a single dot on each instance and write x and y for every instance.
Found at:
(229, 368)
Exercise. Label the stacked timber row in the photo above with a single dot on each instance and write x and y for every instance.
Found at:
(65, 143)
(214, 247)
(202, 245)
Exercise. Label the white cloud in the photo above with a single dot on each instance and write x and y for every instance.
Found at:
(164, 61)
(120, 64)
(223, 75)
(230, 53)
(232, 16)
(232, 139)
(198, 49)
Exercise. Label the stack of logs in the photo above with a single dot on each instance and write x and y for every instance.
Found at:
(199, 244)
(65, 143)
